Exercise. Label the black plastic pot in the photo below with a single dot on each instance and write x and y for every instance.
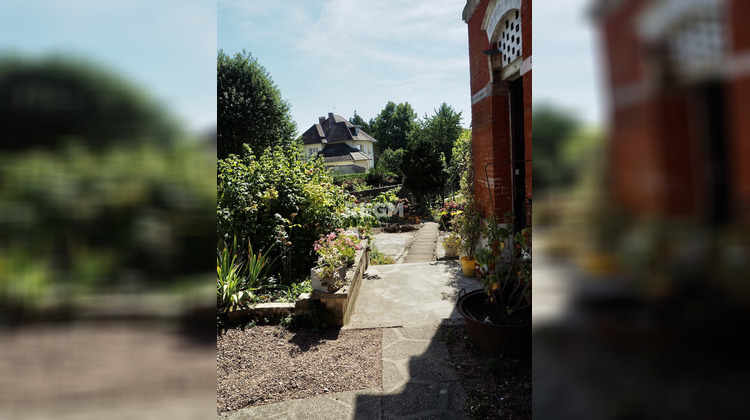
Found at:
(510, 340)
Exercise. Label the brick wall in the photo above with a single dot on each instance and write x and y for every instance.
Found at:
(491, 128)
(659, 162)
(739, 106)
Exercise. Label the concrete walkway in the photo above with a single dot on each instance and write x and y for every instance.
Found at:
(419, 380)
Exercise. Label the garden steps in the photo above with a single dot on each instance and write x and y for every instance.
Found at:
(423, 248)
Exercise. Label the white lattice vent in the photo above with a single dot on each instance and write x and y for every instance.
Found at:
(696, 44)
(510, 39)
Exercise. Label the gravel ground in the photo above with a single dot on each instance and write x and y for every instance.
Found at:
(269, 364)
(56, 367)
(496, 387)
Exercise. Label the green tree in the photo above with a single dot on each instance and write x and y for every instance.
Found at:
(424, 168)
(249, 107)
(50, 101)
(551, 126)
(392, 126)
(460, 166)
(356, 119)
(391, 160)
(443, 129)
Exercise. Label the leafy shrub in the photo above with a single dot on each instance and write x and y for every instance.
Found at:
(82, 220)
(379, 177)
(280, 198)
(339, 179)
(230, 292)
(237, 280)
(446, 213)
(390, 160)
(355, 184)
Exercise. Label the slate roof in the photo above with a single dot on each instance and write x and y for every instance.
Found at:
(334, 129)
(339, 152)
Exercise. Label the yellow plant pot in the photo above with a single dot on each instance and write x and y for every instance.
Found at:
(469, 266)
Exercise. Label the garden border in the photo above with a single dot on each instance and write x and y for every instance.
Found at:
(340, 302)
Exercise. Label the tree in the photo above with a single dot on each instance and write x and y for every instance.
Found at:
(391, 160)
(47, 101)
(460, 166)
(249, 107)
(424, 168)
(392, 126)
(443, 129)
(551, 126)
(364, 125)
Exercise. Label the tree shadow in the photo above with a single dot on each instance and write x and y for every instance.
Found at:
(307, 339)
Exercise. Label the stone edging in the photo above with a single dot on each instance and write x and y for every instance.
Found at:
(340, 302)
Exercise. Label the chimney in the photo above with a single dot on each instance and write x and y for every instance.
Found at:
(330, 116)
(321, 119)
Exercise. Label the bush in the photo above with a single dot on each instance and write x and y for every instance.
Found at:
(379, 177)
(339, 179)
(279, 198)
(391, 160)
(77, 220)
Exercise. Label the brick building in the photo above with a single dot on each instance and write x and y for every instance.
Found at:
(679, 83)
(500, 66)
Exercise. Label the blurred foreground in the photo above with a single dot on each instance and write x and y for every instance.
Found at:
(107, 228)
(642, 261)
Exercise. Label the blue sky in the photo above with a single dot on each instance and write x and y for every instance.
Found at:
(567, 59)
(167, 47)
(325, 56)
(340, 56)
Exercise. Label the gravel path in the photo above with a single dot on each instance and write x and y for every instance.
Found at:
(269, 364)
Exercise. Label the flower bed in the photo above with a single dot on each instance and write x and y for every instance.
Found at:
(335, 251)
(339, 303)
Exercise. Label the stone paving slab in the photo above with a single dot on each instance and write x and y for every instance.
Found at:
(394, 244)
(410, 295)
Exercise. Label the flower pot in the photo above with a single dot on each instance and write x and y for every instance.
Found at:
(469, 266)
(510, 340)
(451, 251)
(325, 285)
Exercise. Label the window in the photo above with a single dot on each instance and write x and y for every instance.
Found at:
(360, 147)
(313, 151)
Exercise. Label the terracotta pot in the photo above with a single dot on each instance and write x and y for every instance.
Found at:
(469, 266)
(510, 340)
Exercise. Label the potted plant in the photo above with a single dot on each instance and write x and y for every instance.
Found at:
(468, 225)
(450, 244)
(498, 317)
(336, 251)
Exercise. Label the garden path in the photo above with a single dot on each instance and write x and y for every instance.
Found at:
(422, 249)
(409, 301)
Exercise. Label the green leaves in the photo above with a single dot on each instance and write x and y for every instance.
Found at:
(251, 190)
(250, 109)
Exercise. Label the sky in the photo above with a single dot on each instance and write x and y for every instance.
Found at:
(325, 56)
(166, 47)
(344, 56)
(567, 59)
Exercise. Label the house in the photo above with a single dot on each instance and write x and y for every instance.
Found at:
(500, 78)
(678, 76)
(344, 147)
